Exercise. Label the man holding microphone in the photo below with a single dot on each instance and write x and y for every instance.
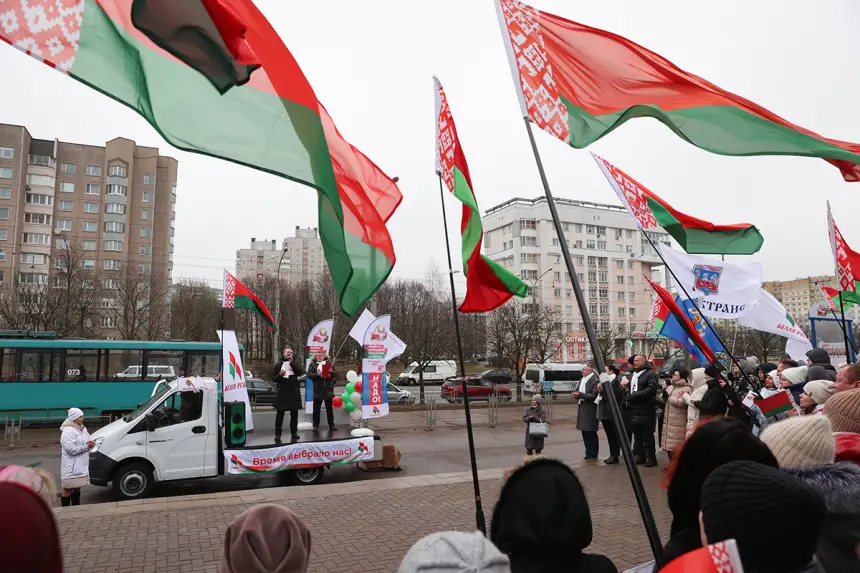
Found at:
(286, 376)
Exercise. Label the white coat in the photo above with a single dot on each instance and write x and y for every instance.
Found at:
(75, 460)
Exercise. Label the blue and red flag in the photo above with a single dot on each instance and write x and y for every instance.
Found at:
(686, 326)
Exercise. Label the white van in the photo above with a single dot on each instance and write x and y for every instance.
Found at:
(558, 378)
(435, 372)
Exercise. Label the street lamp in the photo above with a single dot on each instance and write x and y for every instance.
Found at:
(275, 351)
(534, 284)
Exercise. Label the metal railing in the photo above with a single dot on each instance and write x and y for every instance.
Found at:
(493, 409)
(43, 430)
(431, 413)
(547, 403)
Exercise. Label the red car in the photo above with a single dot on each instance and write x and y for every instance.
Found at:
(479, 389)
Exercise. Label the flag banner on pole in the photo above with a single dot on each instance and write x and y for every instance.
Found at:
(579, 83)
(233, 386)
(722, 557)
(672, 329)
(684, 323)
(722, 289)
(695, 236)
(779, 403)
(768, 315)
(659, 313)
(829, 294)
(396, 347)
(847, 263)
(375, 350)
(488, 284)
(230, 90)
(237, 295)
(319, 341)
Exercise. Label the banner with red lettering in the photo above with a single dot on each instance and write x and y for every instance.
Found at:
(376, 350)
(300, 455)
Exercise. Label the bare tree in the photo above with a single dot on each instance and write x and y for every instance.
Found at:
(547, 334)
(137, 304)
(27, 306)
(195, 311)
(611, 337)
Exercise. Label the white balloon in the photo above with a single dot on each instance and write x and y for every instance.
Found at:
(355, 414)
(356, 398)
(352, 376)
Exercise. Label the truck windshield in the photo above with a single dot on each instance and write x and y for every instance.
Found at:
(134, 414)
(410, 370)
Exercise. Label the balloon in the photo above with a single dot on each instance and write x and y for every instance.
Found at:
(344, 399)
(355, 398)
(358, 386)
(356, 414)
(352, 376)
(350, 387)
(349, 406)
(337, 402)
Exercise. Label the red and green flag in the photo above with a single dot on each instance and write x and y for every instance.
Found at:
(488, 284)
(237, 295)
(659, 314)
(847, 263)
(779, 403)
(579, 83)
(691, 331)
(695, 236)
(213, 77)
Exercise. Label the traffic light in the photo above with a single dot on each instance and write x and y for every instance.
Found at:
(234, 426)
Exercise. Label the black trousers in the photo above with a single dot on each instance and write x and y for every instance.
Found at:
(329, 411)
(294, 422)
(612, 437)
(591, 442)
(644, 445)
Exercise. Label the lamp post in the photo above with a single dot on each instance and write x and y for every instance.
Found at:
(276, 355)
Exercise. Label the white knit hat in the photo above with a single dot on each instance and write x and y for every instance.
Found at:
(74, 414)
(453, 552)
(819, 390)
(801, 442)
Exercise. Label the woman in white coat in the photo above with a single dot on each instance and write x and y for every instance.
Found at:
(75, 444)
(699, 389)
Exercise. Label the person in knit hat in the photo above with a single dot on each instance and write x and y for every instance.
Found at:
(454, 552)
(815, 394)
(267, 538)
(36, 479)
(801, 442)
(741, 496)
(793, 380)
(29, 539)
(843, 411)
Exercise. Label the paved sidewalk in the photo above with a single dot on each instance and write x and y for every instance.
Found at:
(364, 526)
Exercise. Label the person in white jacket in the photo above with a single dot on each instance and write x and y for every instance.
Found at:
(75, 444)
(699, 389)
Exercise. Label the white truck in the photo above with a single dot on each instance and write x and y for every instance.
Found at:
(435, 372)
(178, 434)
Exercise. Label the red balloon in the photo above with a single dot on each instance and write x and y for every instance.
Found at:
(358, 386)
(337, 402)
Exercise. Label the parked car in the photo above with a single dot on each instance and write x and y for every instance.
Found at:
(260, 392)
(499, 376)
(398, 396)
(479, 389)
(434, 372)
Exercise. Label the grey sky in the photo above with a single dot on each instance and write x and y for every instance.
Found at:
(371, 65)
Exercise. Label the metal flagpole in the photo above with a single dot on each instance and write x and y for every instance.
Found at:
(632, 470)
(479, 512)
(848, 346)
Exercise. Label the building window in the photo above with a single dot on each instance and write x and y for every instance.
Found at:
(589, 245)
(629, 248)
(113, 245)
(601, 245)
(93, 188)
(89, 245)
(146, 215)
(36, 239)
(601, 230)
(117, 171)
(64, 224)
(90, 226)
(4, 213)
(108, 322)
(577, 245)
(6, 173)
(528, 224)
(67, 187)
(110, 265)
(589, 229)
(68, 168)
(592, 308)
(33, 258)
(91, 207)
(528, 274)
(147, 196)
(603, 277)
(4, 234)
(632, 297)
(604, 309)
(529, 258)
(629, 264)
(143, 269)
(524, 241)
(37, 218)
(88, 264)
(149, 178)
(146, 249)
(38, 199)
(629, 234)
(632, 311)
(5, 192)
(555, 242)
(114, 227)
(622, 311)
(592, 276)
(619, 279)
(621, 295)
(556, 292)
(115, 189)
(65, 206)
(604, 293)
(115, 208)
(7, 152)
(146, 232)
(556, 276)
(630, 280)
(44, 180)
(33, 278)
(60, 264)
(94, 170)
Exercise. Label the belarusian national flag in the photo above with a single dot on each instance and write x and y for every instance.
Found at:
(659, 314)
(237, 295)
(579, 83)
(213, 77)
(779, 403)
(694, 235)
(488, 284)
(847, 264)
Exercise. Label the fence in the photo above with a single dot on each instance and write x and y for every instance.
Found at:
(31, 431)
(431, 413)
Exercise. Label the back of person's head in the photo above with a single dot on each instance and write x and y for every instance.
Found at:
(37, 479)
(711, 445)
(613, 369)
(742, 496)
(801, 442)
(843, 410)
(454, 552)
(267, 538)
(29, 540)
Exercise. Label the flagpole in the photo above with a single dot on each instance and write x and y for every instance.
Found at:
(479, 512)
(632, 470)
(848, 346)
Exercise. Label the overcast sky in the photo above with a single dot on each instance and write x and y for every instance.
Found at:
(371, 65)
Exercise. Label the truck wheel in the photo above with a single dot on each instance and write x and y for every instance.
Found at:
(133, 481)
(307, 476)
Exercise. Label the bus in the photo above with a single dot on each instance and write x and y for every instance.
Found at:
(43, 377)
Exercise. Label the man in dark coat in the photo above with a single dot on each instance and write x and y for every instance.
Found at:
(285, 375)
(820, 357)
(614, 430)
(715, 401)
(323, 379)
(642, 400)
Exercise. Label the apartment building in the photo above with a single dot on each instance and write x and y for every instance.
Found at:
(799, 295)
(609, 253)
(260, 261)
(300, 258)
(115, 202)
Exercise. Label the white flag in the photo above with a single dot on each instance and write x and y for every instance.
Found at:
(360, 326)
(722, 289)
(768, 315)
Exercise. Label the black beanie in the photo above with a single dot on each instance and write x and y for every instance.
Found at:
(741, 497)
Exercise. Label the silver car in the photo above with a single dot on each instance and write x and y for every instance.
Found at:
(398, 396)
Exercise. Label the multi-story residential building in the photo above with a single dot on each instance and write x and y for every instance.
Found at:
(300, 258)
(609, 253)
(260, 261)
(115, 203)
(799, 295)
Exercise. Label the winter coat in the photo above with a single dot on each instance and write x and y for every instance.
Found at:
(603, 410)
(75, 457)
(323, 387)
(692, 410)
(683, 542)
(847, 447)
(536, 414)
(675, 414)
(820, 357)
(289, 395)
(714, 402)
(586, 417)
(543, 523)
(643, 401)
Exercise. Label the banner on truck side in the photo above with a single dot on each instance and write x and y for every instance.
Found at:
(319, 340)
(233, 375)
(376, 347)
(301, 455)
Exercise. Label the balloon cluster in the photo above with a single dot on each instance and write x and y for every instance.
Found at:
(351, 399)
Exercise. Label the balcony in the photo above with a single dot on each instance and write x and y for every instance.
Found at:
(41, 161)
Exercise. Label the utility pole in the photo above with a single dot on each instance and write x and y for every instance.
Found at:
(276, 351)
